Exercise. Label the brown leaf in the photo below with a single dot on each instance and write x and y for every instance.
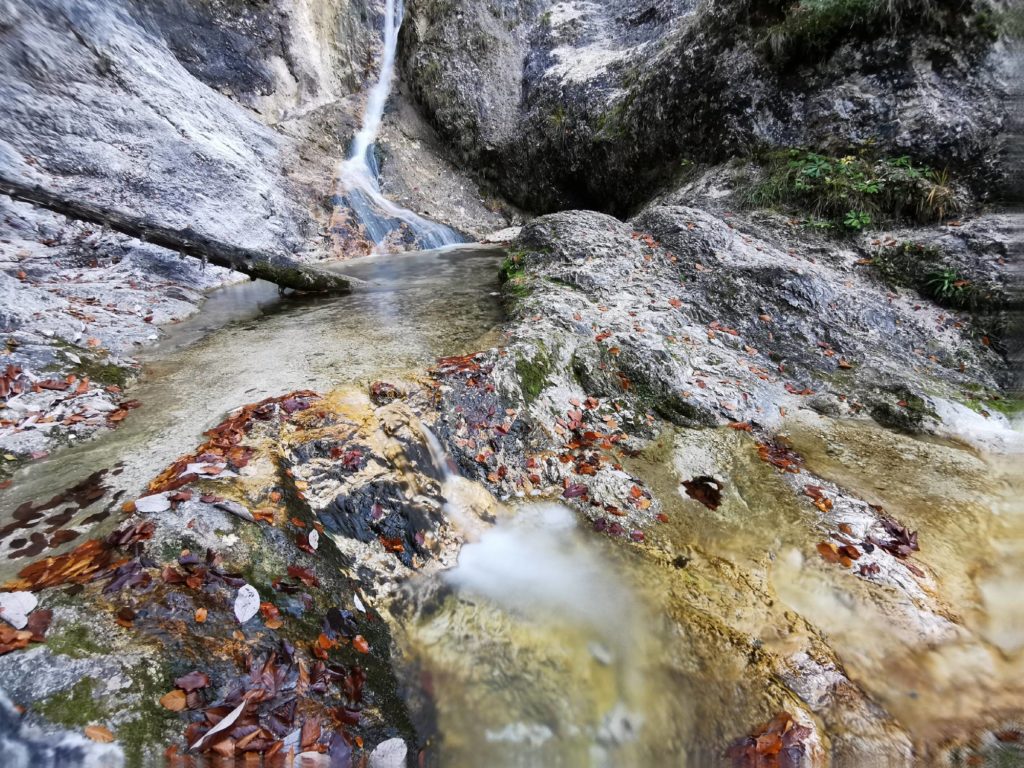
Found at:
(38, 623)
(193, 681)
(174, 701)
(829, 551)
(99, 733)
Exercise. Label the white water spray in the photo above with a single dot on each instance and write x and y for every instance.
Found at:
(357, 175)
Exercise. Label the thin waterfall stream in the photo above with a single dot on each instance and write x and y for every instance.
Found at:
(358, 185)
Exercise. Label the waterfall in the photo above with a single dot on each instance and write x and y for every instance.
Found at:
(357, 175)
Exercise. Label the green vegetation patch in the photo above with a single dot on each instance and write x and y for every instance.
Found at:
(75, 641)
(513, 275)
(533, 374)
(925, 269)
(810, 30)
(852, 192)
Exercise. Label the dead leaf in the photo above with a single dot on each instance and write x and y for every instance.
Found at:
(99, 733)
(174, 700)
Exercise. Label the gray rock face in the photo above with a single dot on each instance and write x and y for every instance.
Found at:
(711, 320)
(579, 104)
(97, 105)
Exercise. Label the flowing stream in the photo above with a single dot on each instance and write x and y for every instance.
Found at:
(359, 188)
(546, 644)
(248, 343)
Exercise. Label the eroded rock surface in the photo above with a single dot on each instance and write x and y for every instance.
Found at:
(584, 104)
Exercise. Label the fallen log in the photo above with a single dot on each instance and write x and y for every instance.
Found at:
(273, 267)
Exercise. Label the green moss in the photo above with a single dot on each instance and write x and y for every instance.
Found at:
(533, 375)
(95, 367)
(1009, 407)
(513, 275)
(73, 707)
(146, 731)
(75, 641)
(811, 30)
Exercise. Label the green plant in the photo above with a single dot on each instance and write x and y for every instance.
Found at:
(857, 220)
(853, 191)
(947, 285)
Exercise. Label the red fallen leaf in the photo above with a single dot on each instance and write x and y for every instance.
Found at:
(829, 551)
(636, 492)
(743, 426)
(12, 639)
(305, 575)
(602, 336)
(704, 489)
(575, 490)
(38, 623)
(193, 681)
(779, 456)
(53, 384)
(869, 569)
(310, 733)
(392, 544)
(174, 701)
(821, 501)
(850, 551)
(676, 303)
(360, 644)
(264, 514)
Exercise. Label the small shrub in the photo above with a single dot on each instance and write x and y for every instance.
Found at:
(924, 269)
(854, 191)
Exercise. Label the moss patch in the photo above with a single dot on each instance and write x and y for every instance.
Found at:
(513, 275)
(74, 641)
(812, 29)
(73, 707)
(533, 375)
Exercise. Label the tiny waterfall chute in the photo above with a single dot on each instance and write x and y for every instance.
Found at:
(358, 184)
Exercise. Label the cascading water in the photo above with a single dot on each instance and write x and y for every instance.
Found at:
(357, 175)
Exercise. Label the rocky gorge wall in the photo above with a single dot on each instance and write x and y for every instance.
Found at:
(594, 105)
